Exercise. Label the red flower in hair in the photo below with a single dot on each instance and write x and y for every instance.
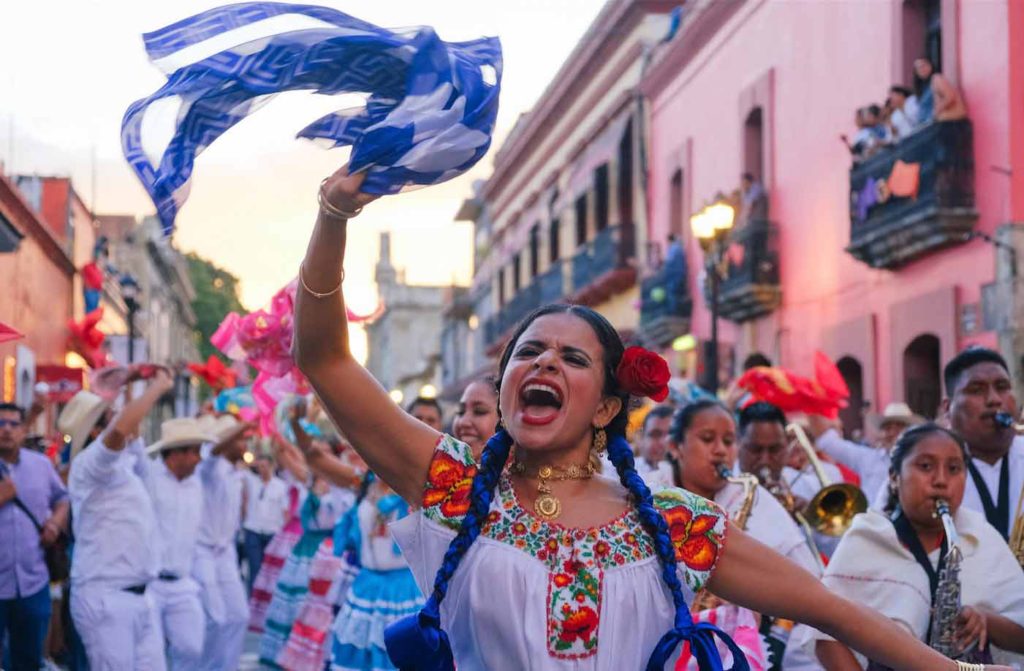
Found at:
(641, 372)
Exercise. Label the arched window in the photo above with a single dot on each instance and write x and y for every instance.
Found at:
(922, 386)
(852, 415)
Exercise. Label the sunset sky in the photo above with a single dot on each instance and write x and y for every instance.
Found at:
(71, 68)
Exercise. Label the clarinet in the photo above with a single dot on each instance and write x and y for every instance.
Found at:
(946, 604)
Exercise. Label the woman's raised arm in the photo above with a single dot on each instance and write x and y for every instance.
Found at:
(750, 574)
(394, 445)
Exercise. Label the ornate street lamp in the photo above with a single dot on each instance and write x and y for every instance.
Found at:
(130, 293)
(711, 226)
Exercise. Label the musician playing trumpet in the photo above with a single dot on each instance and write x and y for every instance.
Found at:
(901, 563)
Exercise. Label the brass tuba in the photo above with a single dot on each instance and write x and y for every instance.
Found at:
(833, 508)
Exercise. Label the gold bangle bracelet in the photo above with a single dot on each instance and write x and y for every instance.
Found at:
(333, 210)
(317, 294)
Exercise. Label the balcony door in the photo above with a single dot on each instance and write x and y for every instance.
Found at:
(852, 415)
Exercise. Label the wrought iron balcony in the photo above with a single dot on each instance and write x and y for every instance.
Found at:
(602, 267)
(750, 267)
(888, 231)
(665, 306)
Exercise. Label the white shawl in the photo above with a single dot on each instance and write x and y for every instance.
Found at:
(871, 567)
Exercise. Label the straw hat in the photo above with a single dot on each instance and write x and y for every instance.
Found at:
(79, 417)
(180, 432)
(899, 413)
(223, 428)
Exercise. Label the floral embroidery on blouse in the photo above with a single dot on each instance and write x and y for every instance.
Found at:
(449, 482)
(576, 558)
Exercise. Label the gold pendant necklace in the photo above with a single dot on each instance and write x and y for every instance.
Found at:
(546, 505)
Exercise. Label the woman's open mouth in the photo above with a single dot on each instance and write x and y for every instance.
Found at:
(540, 402)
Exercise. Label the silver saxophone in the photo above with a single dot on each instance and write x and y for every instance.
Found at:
(946, 605)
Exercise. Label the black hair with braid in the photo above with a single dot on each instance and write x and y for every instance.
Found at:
(904, 447)
(429, 640)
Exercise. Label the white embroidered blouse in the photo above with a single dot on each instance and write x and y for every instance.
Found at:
(531, 594)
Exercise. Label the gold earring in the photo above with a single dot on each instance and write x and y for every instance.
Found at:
(600, 443)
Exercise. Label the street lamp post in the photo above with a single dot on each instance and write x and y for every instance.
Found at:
(711, 227)
(130, 294)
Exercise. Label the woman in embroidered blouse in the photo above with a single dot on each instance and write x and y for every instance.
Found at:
(881, 559)
(592, 590)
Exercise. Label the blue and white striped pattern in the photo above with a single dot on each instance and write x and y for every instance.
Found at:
(429, 113)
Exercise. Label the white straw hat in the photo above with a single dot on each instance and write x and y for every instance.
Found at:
(79, 417)
(180, 432)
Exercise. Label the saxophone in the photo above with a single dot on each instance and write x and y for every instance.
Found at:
(705, 599)
(946, 605)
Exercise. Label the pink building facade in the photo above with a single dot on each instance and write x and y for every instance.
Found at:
(767, 87)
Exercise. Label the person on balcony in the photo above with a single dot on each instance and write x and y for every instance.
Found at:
(939, 100)
(753, 200)
(905, 111)
(871, 133)
(675, 273)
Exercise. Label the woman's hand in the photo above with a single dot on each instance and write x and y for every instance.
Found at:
(971, 627)
(342, 190)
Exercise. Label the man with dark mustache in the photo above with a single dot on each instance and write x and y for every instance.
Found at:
(978, 386)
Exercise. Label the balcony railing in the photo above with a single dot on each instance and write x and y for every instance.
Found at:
(601, 255)
(750, 286)
(665, 306)
(887, 231)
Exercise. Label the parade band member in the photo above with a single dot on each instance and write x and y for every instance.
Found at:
(892, 561)
(33, 514)
(576, 577)
(978, 386)
(870, 463)
(116, 553)
(653, 465)
(703, 437)
(216, 560)
(178, 504)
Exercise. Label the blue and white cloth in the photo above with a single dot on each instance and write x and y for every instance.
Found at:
(429, 113)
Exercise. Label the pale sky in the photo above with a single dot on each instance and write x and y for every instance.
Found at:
(70, 68)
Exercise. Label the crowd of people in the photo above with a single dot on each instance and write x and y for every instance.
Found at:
(932, 98)
(539, 531)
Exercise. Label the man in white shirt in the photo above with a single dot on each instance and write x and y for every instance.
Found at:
(762, 453)
(216, 560)
(177, 502)
(870, 463)
(266, 507)
(978, 387)
(904, 118)
(115, 557)
(652, 447)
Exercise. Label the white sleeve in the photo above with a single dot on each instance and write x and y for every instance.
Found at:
(423, 543)
(95, 464)
(837, 447)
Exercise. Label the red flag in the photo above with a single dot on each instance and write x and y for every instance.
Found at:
(829, 377)
(214, 373)
(789, 392)
(87, 339)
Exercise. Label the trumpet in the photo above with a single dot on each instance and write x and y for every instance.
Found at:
(833, 508)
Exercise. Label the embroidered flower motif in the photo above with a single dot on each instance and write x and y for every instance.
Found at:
(579, 624)
(601, 549)
(449, 483)
(689, 535)
(562, 579)
(519, 529)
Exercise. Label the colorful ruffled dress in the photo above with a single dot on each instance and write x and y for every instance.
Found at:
(309, 641)
(383, 591)
(531, 594)
(276, 554)
(319, 515)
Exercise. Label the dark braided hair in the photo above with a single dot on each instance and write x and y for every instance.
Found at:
(903, 448)
(419, 643)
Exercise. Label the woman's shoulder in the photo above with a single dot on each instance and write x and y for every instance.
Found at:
(668, 498)
(696, 529)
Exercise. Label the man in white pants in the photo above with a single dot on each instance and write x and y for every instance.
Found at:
(216, 560)
(178, 503)
(115, 556)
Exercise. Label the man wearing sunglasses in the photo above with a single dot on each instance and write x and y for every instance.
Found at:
(33, 514)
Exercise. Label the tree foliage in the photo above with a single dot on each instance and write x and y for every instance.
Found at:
(216, 296)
